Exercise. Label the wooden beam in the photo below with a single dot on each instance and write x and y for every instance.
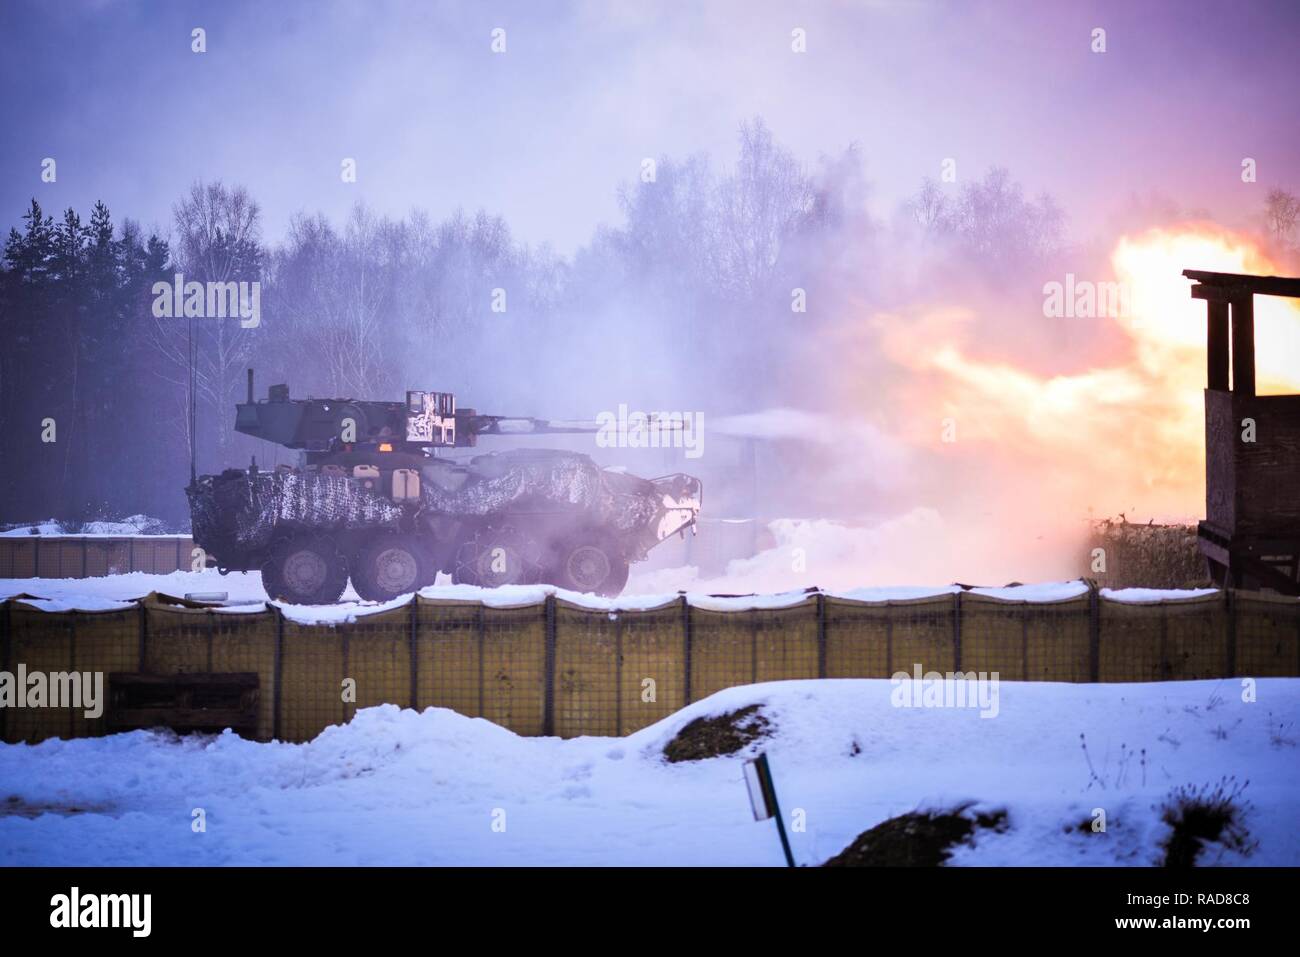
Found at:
(1243, 346)
(1215, 293)
(1242, 283)
(1268, 576)
(1216, 345)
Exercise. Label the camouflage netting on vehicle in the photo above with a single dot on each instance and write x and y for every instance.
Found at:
(234, 513)
(234, 509)
(490, 484)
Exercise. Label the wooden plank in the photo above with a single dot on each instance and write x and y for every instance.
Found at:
(1266, 471)
(214, 718)
(1268, 575)
(208, 701)
(234, 679)
(1214, 551)
(1221, 438)
(1263, 285)
(1217, 293)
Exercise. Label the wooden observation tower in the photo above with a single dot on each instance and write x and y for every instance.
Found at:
(1251, 533)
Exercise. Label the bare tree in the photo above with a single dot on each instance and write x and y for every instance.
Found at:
(992, 222)
(336, 295)
(929, 207)
(762, 202)
(217, 240)
(1281, 211)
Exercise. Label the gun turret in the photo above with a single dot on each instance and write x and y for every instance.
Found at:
(424, 420)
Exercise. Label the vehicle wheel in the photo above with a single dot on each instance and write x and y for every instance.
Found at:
(305, 570)
(389, 566)
(495, 556)
(590, 563)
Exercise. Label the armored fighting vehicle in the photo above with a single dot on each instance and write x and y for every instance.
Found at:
(371, 500)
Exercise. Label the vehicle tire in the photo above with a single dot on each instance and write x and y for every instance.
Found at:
(305, 570)
(495, 556)
(389, 566)
(589, 563)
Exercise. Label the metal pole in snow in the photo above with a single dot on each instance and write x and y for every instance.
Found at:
(762, 798)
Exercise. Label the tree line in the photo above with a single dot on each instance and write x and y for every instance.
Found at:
(692, 301)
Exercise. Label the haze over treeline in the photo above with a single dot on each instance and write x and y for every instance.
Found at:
(720, 291)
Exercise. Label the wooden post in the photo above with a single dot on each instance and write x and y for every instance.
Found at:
(686, 649)
(6, 653)
(346, 650)
(1024, 643)
(1243, 346)
(277, 666)
(618, 674)
(414, 639)
(548, 692)
(480, 622)
(1216, 345)
(1166, 666)
(753, 646)
(821, 634)
(956, 631)
(1094, 631)
(889, 641)
(144, 634)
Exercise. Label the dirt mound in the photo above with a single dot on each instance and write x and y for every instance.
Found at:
(915, 839)
(717, 735)
(14, 806)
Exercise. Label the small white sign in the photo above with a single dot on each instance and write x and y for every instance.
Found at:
(757, 797)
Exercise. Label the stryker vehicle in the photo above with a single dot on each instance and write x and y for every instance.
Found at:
(371, 500)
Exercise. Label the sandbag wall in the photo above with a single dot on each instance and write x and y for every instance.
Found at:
(557, 668)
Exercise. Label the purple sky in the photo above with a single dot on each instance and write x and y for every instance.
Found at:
(545, 132)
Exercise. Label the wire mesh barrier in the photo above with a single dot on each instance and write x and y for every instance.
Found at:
(1263, 636)
(556, 667)
(59, 556)
(1156, 641)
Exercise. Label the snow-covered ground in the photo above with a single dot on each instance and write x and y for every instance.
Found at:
(136, 525)
(396, 787)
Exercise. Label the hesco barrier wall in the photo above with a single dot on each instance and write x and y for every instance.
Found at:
(558, 668)
(61, 556)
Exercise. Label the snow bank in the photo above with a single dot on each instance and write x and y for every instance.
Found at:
(396, 787)
(137, 526)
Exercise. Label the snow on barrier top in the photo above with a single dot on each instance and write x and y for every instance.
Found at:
(76, 595)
